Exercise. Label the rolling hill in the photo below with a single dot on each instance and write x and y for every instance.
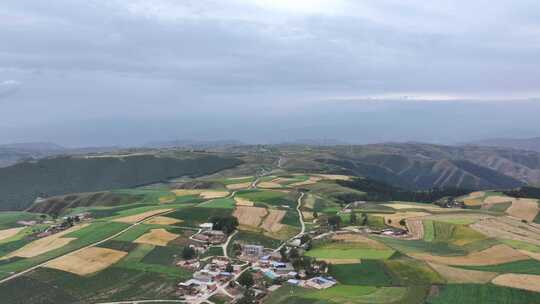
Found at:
(24, 182)
(417, 166)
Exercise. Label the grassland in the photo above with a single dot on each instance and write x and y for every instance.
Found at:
(485, 293)
(525, 267)
(368, 272)
(343, 250)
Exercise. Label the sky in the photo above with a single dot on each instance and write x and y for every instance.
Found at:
(127, 72)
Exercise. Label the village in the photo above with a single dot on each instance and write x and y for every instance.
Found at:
(256, 271)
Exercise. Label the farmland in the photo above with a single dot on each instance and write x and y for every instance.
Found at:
(128, 243)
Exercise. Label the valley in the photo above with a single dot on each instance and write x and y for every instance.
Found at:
(277, 225)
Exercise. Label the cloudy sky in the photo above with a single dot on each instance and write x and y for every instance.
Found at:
(127, 72)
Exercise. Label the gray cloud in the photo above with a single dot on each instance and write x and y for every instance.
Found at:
(8, 87)
(135, 60)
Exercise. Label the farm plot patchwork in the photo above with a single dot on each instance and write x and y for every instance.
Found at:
(158, 237)
(346, 250)
(497, 254)
(87, 261)
(46, 244)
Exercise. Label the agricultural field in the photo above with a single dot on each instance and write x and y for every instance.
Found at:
(129, 242)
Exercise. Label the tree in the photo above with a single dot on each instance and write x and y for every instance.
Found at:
(284, 256)
(293, 254)
(305, 239)
(315, 214)
(402, 222)
(229, 268)
(248, 298)
(364, 219)
(353, 219)
(188, 253)
(246, 279)
(334, 222)
(227, 224)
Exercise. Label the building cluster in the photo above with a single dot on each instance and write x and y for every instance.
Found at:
(66, 223)
(208, 278)
(271, 266)
(209, 236)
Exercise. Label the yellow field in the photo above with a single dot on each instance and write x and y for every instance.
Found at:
(45, 244)
(239, 177)
(87, 261)
(534, 255)
(249, 216)
(427, 207)
(312, 180)
(243, 202)
(472, 202)
(269, 185)
(505, 227)
(416, 229)
(497, 199)
(497, 254)
(523, 208)
(341, 261)
(520, 281)
(206, 194)
(357, 238)
(163, 220)
(7, 233)
(395, 218)
(167, 198)
(307, 215)
(461, 276)
(159, 237)
(272, 222)
(239, 186)
(334, 177)
(141, 216)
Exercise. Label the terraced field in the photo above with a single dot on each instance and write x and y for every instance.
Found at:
(488, 252)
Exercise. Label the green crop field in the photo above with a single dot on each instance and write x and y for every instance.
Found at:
(437, 248)
(526, 266)
(409, 272)
(10, 219)
(368, 272)
(272, 198)
(193, 216)
(85, 236)
(475, 294)
(226, 203)
(429, 231)
(342, 250)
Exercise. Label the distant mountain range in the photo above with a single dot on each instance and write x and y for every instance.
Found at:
(417, 166)
(531, 144)
(193, 144)
(11, 154)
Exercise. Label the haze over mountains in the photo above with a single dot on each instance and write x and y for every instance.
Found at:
(532, 144)
(48, 169)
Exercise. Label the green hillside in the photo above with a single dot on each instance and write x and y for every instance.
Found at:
(24, 182)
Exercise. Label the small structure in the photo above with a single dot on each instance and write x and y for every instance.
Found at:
(203, 276)
(252, 251)
(320, 282)
(294, 282)
(206, 226)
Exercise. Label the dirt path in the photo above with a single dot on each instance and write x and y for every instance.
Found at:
(302, 223)
(224, 246)
(16, 275)
(145, 301)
